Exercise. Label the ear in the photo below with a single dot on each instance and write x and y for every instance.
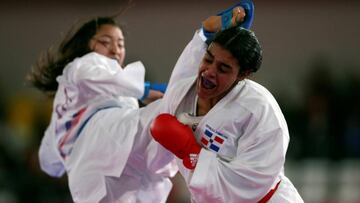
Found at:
(92, 44)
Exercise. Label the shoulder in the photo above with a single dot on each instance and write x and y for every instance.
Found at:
(258, 100)
(256, 93)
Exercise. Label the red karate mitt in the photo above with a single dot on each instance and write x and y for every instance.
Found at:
(177, 138)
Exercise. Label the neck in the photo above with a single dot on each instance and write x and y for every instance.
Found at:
(204, 106)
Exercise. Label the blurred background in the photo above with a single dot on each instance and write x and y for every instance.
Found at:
(311, 65)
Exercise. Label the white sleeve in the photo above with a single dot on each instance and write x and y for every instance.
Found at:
(101, 150)
(106, 77)
(49, 157)
(247, 178)
(189, 61)
(158, 159)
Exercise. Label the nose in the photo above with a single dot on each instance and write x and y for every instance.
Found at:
(115, 48)
(210, 71)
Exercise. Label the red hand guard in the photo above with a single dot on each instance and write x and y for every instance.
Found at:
(176, 137)
(190, 160)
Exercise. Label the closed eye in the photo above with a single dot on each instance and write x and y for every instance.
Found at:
(225, 68)
(208, 58)
(104, 43)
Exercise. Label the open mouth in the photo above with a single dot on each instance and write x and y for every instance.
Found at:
(207, 84)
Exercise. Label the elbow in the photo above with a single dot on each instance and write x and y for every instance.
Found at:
(51, 165)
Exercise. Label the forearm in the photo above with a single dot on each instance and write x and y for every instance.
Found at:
(189, 61)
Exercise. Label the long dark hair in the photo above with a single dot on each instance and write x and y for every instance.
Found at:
(51, 63)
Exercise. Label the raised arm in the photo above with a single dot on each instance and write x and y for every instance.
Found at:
(189, 61)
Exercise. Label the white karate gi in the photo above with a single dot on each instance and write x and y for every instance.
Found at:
(244, 139)
(95, 135)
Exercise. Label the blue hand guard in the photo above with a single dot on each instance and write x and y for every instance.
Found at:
(249, 11)
(155, 86)
(226, 17)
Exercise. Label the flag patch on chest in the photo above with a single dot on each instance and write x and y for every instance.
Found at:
(212, 140)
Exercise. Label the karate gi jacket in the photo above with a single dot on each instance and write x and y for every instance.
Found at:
(244, 139)
(95, 135)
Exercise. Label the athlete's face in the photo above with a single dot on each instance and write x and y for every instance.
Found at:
(217, 75)
(109, 41)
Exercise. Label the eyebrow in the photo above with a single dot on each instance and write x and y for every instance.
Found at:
(223, 64)
(109, 36)
(209, 53)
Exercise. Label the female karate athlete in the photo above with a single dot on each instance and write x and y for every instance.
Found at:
(227, 132)
(87, 75)
(96, 134)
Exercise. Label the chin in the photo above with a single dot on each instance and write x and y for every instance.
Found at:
(203, 93)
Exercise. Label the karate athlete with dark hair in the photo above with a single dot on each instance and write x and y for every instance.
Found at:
(97, 135)
(95, 100)
(227, 131)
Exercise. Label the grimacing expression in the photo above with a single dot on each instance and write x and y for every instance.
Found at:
(109, 41)
(218, 73)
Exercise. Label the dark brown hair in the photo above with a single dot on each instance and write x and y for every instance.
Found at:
(51, 63)
(243, 45)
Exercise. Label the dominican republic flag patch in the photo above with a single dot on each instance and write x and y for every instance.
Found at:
(212, 140)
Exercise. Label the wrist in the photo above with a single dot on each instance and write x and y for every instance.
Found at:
(146, 90)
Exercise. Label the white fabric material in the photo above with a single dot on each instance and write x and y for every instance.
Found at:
(188, 119)
(105, 158)
(87, 84)
(49, 156)
(249, 161)
(189, 61)
(111, 167)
